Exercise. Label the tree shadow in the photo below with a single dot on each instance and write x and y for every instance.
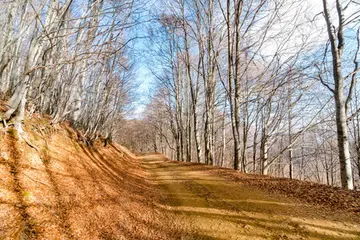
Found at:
(27, 228)
(61, 209)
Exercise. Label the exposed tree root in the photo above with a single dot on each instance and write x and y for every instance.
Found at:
(37, 181)
(24, 137)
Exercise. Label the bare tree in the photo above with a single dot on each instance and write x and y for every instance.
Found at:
(342, 101)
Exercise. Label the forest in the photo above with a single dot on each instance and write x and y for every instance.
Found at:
(260, 86)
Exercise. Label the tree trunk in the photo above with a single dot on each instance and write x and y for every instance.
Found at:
(264, 148)
(290, 131)
(337, 46)
(238, 6)
(232, 99)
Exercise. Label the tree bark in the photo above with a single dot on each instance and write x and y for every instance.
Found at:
(337, 46)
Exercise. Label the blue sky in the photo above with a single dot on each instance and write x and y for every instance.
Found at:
(143, 93)
(143, 76)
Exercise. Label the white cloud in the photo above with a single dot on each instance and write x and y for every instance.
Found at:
(297, 24)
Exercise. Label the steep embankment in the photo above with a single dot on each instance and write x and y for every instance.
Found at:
(62, 189)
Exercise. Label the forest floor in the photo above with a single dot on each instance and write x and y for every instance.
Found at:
(56, 187)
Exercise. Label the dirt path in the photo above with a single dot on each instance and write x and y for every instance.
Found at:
(210, 207)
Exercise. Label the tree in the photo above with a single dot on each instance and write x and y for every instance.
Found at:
(337, 44)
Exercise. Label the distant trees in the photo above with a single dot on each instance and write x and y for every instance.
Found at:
(68, 59)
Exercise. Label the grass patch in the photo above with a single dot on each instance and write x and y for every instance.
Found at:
(36, 137)
(27, 194)
(45, 156)
(13, 133)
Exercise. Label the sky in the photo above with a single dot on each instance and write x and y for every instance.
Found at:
(143, 93)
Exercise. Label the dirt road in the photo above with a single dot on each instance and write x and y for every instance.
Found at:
(207, 206)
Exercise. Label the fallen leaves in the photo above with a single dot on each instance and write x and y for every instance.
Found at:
(309, 192)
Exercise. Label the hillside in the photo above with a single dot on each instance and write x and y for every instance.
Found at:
(67, 190)
(53, 186)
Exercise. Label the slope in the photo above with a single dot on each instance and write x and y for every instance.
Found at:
(55, 187)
